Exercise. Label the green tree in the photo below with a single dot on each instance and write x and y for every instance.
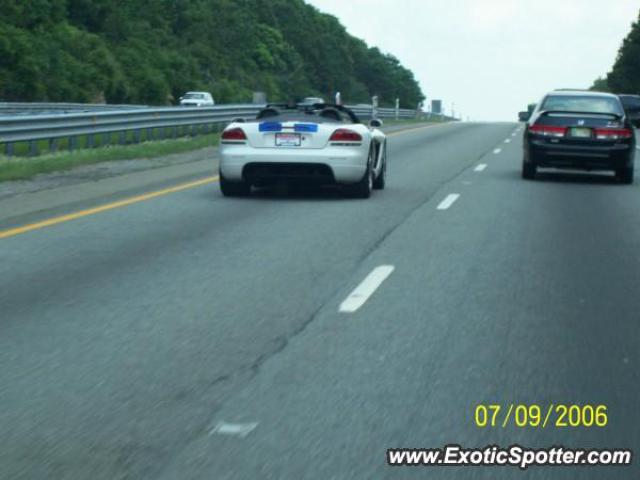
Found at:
(625, 74)
(137, 51)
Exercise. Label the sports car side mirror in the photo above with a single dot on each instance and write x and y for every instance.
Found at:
(375, 123)
(524, 116)
(238, 120)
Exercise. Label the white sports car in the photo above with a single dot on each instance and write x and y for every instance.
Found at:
(319, 143)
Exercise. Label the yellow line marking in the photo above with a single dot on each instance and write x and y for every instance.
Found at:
(413, 129)
(103, 208)
(141, 198)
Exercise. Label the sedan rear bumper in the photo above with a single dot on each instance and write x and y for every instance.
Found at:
(587, 157)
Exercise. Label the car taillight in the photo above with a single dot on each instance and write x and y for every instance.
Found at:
(344, 135)
(548, 130)
(234, 134)
(613, 133)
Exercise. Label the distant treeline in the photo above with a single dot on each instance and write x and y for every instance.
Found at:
(624, 77)
(152, 51)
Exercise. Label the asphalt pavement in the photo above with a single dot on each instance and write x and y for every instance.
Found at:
(191, 336)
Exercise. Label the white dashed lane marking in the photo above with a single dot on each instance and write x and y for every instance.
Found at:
(233, 429)
(480, 167)
(448, 201)
(362, 292)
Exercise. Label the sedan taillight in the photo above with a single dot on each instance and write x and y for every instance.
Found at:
(234, 134)
(345, 135)
(548, 130)
(613, 133)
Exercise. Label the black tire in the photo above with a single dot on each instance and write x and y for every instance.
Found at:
(234, 189)
(529, 170)
(625, 175)
(363, 188)
(381, 180)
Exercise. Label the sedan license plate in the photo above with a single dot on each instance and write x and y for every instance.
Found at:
(581, 132)
(288, 140)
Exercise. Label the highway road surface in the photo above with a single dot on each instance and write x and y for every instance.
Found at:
(299, 335)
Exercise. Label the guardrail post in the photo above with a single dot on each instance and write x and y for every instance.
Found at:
(122, 138)
(33, 148)
(174, 132)
(53, 145)
(91, 141)
(149, 134)
(73, 143)
(193, 131)
(162, 133)
(136, 136)
(8, 149)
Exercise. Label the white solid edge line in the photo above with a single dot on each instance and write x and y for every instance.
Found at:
(480, 167)
(448, 201)
(367, 287)
(497, 151)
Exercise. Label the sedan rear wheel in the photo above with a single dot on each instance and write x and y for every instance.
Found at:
(529, 170)
(625, 175)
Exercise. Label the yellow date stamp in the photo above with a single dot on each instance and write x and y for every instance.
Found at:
(539, 416)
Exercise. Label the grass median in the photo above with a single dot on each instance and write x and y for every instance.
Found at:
(24, 168)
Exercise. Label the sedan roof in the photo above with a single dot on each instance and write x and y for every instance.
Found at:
(581, 93)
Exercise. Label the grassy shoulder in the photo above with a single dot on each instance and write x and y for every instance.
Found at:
(24, 168)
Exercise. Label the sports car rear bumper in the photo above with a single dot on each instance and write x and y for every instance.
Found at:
(330, 165)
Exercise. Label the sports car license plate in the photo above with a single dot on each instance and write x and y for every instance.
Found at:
(288, 140)
(581, 132)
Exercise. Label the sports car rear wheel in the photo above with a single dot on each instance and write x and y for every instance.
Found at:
(363, 188)
(234, 189)
(381, 179)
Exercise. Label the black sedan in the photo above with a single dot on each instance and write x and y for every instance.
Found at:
(579, 130)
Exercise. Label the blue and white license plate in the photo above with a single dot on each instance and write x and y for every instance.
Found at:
(288, 140)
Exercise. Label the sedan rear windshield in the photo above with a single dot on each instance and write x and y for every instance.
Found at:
(581, 104)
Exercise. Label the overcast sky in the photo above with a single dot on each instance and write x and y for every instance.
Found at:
(492, 57)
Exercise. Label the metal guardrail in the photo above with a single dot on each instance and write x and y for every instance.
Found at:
(155, 121)
(25, 108)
